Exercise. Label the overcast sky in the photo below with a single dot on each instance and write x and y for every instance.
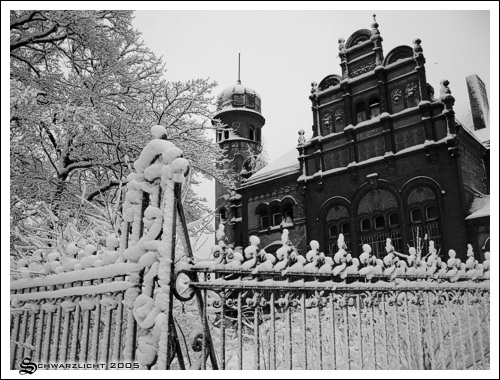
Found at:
(282, 52)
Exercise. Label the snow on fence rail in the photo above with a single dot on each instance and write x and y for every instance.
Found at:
(145, 302)
(294, 312)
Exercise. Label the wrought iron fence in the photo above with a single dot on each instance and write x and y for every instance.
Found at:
(309, 322)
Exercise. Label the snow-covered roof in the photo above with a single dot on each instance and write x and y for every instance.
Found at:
(480, 207)
(286, 164)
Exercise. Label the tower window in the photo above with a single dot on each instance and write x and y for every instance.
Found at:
(257, 132)
(226, 134)
(250, 101)
(257, 104)
(251, 133)
(238, 100)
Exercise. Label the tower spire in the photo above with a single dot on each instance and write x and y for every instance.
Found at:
(239, 60)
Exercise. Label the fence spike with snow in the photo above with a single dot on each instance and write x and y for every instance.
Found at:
(133, 302)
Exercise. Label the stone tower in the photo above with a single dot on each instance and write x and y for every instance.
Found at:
(239, 111)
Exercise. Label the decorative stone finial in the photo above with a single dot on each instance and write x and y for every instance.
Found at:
(375, 31)
(444, 87)
(314, 87)
(302, 139)
(445, 95)
(417, 49)
(341, 45)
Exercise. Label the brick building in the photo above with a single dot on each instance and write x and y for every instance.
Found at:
(387, 159)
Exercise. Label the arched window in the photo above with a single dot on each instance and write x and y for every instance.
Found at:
(431, 212)
(416, 215)
(333, 231)
(365, 225)
(424, 217)
(379, 220)
(276, 215)
(374, 106)
(288, 213)
(393, 219)
(345, 228)
(251, 133)
(361, 114)
(337, 222)
(263, 213)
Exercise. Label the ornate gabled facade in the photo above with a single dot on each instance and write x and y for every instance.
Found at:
(387, 160)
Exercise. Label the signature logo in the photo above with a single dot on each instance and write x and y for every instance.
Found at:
(27, 367)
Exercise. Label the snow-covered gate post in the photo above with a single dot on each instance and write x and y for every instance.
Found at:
(86, 306)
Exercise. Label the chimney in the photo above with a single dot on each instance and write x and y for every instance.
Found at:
(478, 102)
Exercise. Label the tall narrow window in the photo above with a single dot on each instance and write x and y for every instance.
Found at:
(251, 133)
(374, 108)
(333, 231)
(219, 136)
(264, 217)
(337, 221)
(360, 112)
(276, 214)
(250, 100)
(226, 134)
(257, 104)
(288, 213)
